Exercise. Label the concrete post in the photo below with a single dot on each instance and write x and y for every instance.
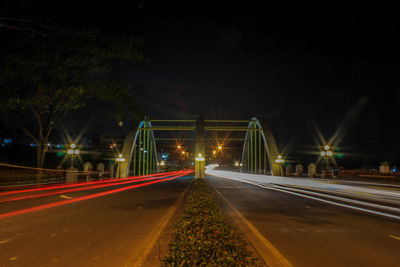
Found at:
(72, 175)
(289, 170)
(312, 170)
(299, 170)
(100, 169)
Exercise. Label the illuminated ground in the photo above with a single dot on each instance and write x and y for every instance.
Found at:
(308, 232)
(111, 230)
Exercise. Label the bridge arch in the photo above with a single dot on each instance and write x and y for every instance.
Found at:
(139, 151)
(260, 150)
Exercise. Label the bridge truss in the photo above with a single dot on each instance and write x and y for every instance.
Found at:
(259, 152)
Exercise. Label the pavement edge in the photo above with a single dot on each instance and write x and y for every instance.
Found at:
(262, 247)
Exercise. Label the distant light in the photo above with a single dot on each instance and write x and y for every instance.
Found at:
(111, 147)
(179, 147)
(219, 147)
(183, 152)
(237, 164)
(70, 151)
(323, 153)
(120, 123)
(162, 163)
(279, 160)
(214, 152)
(200, 157)
(326, 147)
(120, 158)
(76, 151)
(73, 146)
(279, 156)
(329, 153)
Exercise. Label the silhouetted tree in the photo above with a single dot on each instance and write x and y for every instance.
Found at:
(47, 76)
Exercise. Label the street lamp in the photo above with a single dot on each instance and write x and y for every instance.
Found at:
(219, 147)
(326, 153)
(200, 157)
(279, 159)
(73, 151)
(119, 160)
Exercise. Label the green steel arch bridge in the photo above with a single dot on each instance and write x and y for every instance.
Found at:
(139, 151)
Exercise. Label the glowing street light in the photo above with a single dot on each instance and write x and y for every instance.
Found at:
(73, 150)
(326, 152)
(219, 147)
(237, 164)
(200, 157)
(179, 147)
(279, 159)
(120, 158)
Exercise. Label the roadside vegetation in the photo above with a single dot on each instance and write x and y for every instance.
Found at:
(203, 237)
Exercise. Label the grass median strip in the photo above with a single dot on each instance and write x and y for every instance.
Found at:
(203, 237)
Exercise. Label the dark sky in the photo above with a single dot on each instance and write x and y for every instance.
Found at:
(296, 67)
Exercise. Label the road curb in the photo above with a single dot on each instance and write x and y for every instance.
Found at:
(161, 237)
(262, 247)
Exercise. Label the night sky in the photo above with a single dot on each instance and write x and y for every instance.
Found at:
(296, 67)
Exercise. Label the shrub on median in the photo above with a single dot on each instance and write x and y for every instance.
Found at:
(203, 237)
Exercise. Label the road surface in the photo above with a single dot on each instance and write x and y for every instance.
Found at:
(309, 232)
(110, 230)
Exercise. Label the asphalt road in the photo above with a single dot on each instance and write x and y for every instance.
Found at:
(110, 230)
(311, 233)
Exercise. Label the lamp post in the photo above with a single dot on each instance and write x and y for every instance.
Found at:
(280, 161)
(120, 159)
(326, 154)
(200, 166)
(72, 152)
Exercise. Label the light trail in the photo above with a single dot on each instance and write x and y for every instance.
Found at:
(274, 182)
(64, 202)
(133, 180)
(303, 182)
(58, 186)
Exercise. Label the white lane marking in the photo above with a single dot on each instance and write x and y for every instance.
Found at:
(341, 199)
(64, 196)
(395, 237)
(310, 197)
(335, 203)
(4, 241)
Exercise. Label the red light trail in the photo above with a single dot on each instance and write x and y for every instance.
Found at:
(59, 203)
(131, 180)
(82, 183)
